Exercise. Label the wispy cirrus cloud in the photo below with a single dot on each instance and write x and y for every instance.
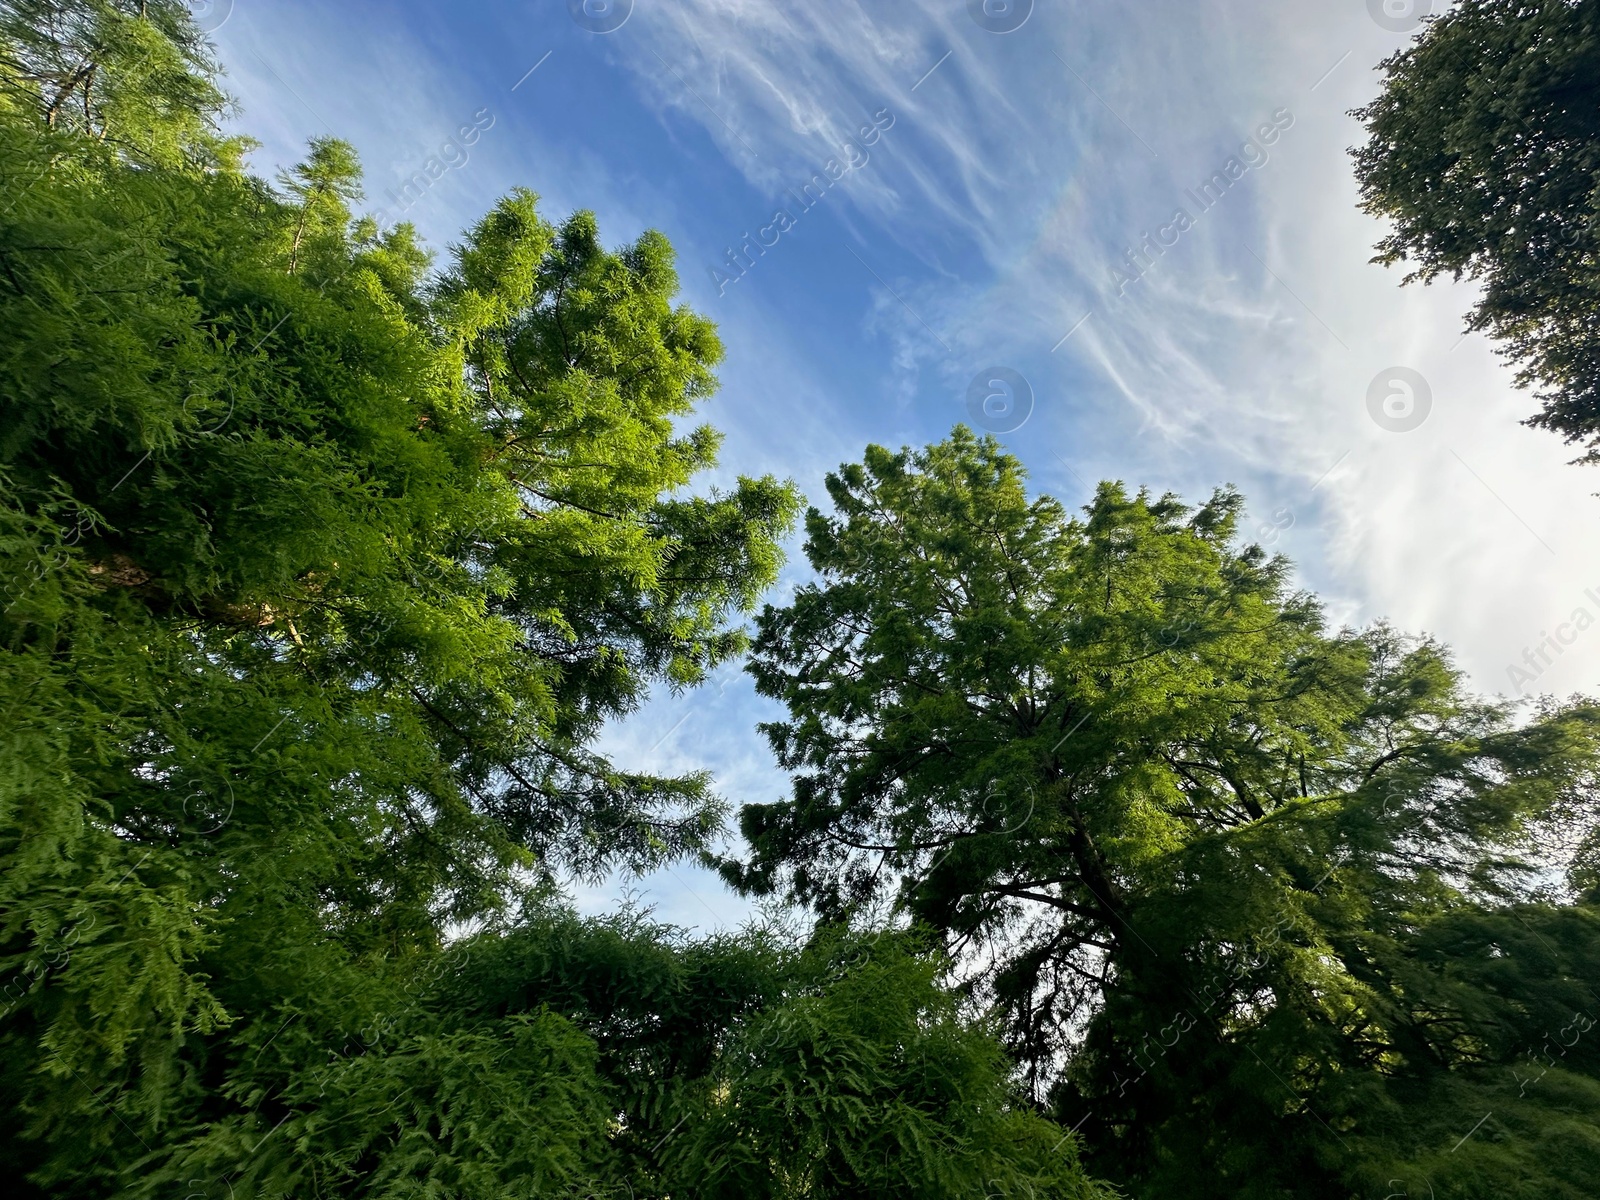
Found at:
(987, 231)
(1024, 168)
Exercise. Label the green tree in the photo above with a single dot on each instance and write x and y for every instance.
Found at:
(1200, 851)
(757, 1066)
(133, 77)
(313, 607)
(322, 570)
(1484, 151)
(617, 1057)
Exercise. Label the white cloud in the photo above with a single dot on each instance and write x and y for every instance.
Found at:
(1246, 353)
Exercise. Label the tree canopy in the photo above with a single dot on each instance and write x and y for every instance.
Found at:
(324, 567)
(1215, 863)
(1484, 152)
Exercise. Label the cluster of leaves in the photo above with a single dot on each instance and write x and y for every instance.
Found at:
(561, 1057)
(1484, 152)
(322, 570)
(1217, 866)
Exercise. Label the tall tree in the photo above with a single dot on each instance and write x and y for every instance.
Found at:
(310, 615)
(321, 572)
(1194, 846)
(1484, 151)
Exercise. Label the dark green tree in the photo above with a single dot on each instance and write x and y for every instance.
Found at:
(1484, 152)
(755, 1066)
(1201, 852)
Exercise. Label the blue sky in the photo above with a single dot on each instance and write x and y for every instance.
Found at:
(998, 219)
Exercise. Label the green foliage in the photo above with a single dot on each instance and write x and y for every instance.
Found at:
(321, 572)
(1205, 850)
(322, 569)
(1484, 151)
(748, 1066)
(1514, 1000)
(866, 1082)
(129, 77)
(564, 1057)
